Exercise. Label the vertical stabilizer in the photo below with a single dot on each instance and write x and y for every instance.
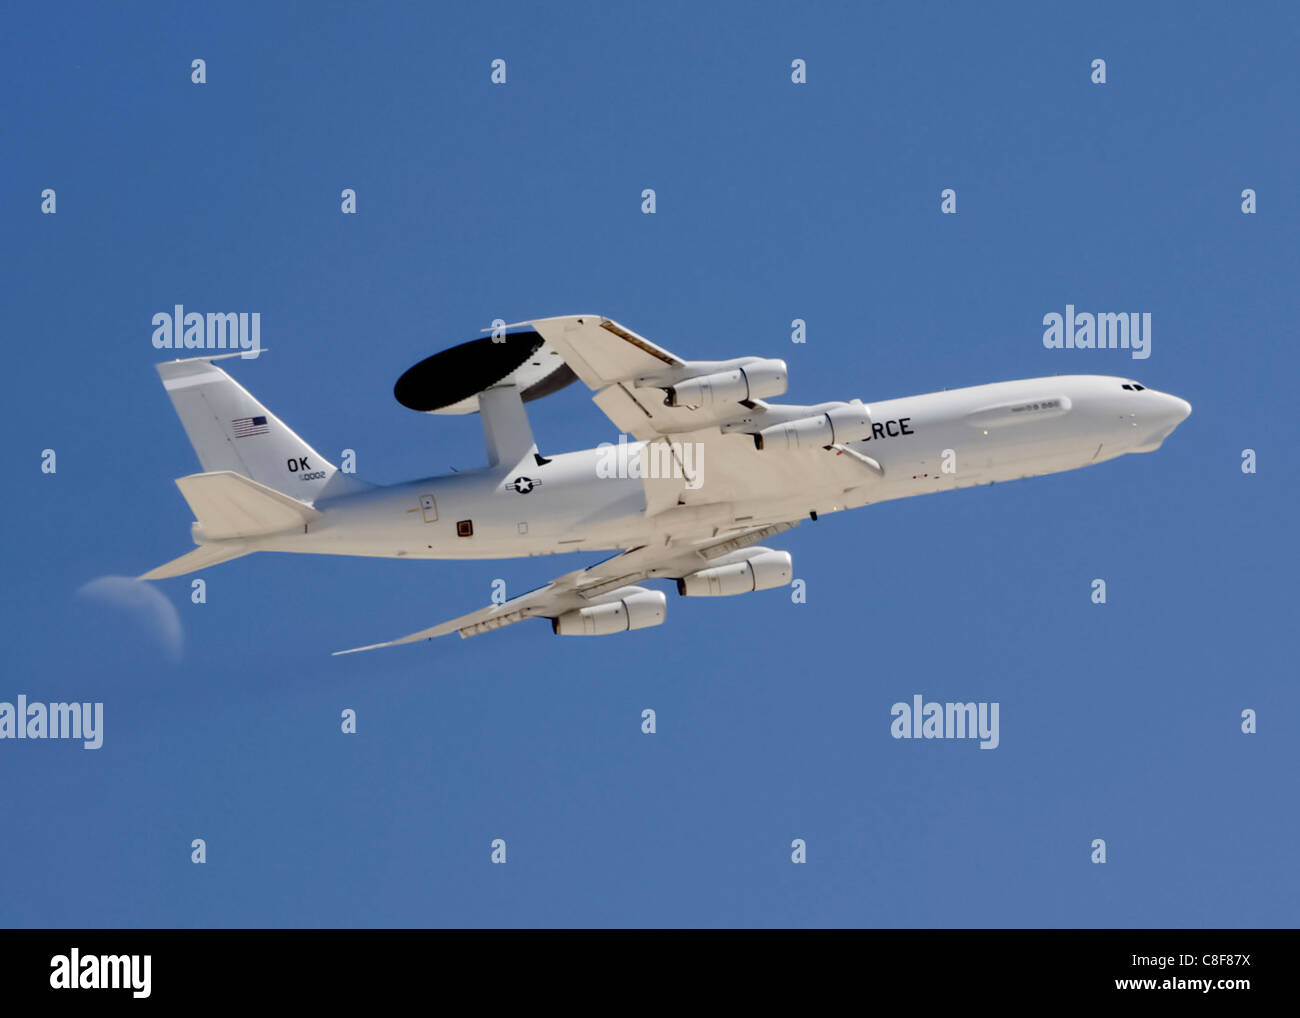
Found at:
(230, 430)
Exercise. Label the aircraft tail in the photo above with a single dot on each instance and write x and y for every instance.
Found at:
(229, 508)
(231, 431)
(228, 505)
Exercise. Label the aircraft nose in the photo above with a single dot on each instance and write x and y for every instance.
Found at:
(1168, 409)
(1161, 413)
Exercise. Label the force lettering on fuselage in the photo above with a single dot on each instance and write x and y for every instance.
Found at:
(890, 429)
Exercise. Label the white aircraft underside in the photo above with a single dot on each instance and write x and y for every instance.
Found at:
(689, 498)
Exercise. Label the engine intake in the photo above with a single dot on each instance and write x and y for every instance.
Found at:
(762, 569)
(627, 608)
(847, 423)
(755, 380)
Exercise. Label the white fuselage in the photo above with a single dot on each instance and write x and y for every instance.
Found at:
(922, 444)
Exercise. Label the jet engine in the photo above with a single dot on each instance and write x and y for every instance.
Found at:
(846, 423)
(740, 573)
(618, 611)
(755, 380)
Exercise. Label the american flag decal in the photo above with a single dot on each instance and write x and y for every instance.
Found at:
(246, 426)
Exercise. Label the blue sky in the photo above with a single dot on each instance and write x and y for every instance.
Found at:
(775, 201)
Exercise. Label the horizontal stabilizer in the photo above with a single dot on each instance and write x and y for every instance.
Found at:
(228, 505)
(200, 558)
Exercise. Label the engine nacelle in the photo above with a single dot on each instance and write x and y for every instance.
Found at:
(760, 571)
(756, 380)
(623, 609)
(847, 423)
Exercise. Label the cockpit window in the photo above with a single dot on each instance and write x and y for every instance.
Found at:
(1133, 387)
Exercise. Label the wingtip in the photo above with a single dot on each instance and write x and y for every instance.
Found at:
(378, 646)
(358, 650)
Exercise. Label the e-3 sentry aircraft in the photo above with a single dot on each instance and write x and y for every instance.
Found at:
(714, 470)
